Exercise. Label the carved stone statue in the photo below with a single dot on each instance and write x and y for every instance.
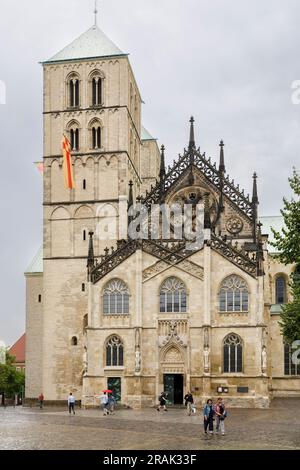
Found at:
(85, 361)
(138, 360)
(264, 358)
(206, 354)
(137, 338)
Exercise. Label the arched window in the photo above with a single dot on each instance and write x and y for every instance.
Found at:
(234, 295)
(290, 368)
(74, 91)
(173, 296)
(97, 91)
(280, 290)
(74, 341)
(116, 298)
(85, 322)
(96, 137)
(74, 139)
(233, 354)
(114, 352)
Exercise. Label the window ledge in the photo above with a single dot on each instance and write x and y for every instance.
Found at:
(234, 313)
(116, 368)
(116, 315)
(232, 374)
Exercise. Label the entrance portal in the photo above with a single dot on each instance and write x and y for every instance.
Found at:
(173, 387)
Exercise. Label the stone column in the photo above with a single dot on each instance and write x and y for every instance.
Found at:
(207, 278)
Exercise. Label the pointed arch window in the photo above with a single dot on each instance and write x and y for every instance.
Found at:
(234, 295)
(114, 352)
(116, 298)
(233, 354)
(173, 296)
(74, 92)
(280, 290)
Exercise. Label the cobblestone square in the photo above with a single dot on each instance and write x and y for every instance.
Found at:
(277, 428)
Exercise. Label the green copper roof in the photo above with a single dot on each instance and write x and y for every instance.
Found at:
(91, 44)
(275, 222)
(146, 135)
(36, 265)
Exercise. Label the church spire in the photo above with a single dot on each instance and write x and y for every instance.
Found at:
(192, 143)
(91, 256)
(255, 203)
(255, 192)
(130, 203)
(96, 14)
(162, 172)
(222, 167)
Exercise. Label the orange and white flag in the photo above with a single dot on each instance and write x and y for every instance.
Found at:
(67, 164)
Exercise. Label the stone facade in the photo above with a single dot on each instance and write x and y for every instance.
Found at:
(69, 332)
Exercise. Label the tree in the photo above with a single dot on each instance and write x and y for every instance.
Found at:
(11, 380)
(288, 245)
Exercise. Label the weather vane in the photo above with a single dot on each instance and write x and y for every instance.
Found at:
(96, 12)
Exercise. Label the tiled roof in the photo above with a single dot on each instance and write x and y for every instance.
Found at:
(91, 44)
(18, 349)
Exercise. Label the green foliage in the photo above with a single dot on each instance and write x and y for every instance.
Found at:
(288, 245)
(288, 241)
(290, 317)
(11, 380)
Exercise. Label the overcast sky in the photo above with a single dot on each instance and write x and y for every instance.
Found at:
(230, 63)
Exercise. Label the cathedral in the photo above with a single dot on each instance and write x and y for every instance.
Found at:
(142, 314)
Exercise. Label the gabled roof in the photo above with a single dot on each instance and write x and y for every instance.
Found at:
(146, 135)
(36, 265)
(91, 44)
(18, 349)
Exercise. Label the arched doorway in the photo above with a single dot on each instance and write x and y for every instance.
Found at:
(172, 366)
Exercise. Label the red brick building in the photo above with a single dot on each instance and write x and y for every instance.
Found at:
(18, 350)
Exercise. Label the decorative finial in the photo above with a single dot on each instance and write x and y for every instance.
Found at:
(222, 158)
(255, 192)
(130, 198)
(91, 256)
(96, 14)
(162, 172)
(192, 143)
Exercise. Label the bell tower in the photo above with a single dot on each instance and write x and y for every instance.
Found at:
(91, 96)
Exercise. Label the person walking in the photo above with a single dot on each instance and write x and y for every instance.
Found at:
(71, 403)
(41, 400)
(208, 413)
(221, 415)
(104, 403)
(189, 401)
(162, 402)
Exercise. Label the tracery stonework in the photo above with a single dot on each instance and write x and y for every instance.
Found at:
(173, 356)
(235, 225)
